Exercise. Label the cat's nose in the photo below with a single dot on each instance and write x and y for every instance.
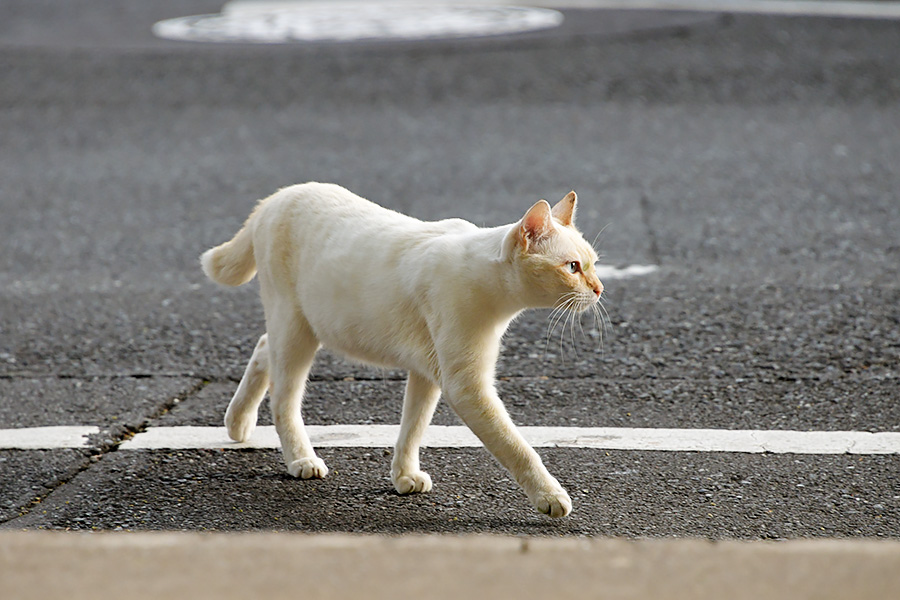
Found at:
(598, 289)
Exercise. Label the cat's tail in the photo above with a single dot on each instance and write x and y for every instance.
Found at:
(231, 263)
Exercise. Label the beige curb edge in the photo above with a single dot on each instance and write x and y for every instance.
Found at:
(273, 565)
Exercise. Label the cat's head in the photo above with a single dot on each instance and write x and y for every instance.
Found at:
(555, 263)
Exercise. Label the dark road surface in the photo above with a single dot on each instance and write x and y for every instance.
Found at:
(753, 158)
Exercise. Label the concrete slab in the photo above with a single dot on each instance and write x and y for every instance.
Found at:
(27, 476)
(112, 406)
(276, 566)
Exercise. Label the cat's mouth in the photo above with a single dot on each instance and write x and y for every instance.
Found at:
(586, 301)
(575, 303)
(588, 304)
(569, 311)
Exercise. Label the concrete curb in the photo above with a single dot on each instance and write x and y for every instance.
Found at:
(272, 565)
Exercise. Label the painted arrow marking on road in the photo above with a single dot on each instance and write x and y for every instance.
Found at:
(384, 436)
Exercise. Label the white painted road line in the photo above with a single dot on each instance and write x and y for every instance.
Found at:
(384, 436)
(285, 22)
(614, 272)
(604, 438)
(46, 438)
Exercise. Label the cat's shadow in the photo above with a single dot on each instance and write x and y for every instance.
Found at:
(434, 512)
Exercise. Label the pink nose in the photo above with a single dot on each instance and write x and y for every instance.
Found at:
(598, 289)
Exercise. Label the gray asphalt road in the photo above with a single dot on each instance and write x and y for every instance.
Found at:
(752, 158)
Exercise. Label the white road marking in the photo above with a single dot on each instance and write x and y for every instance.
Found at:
(46, 438)
(283, 22)
(612, 272)
(604, 438)
(384, 436)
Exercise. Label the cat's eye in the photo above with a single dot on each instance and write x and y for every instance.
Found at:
(573, 266)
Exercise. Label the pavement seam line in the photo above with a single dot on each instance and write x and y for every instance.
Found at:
(167, 406)
(93, 454)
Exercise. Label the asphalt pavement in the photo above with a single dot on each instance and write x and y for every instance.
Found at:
(752, 158)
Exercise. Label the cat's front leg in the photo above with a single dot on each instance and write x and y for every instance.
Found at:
(480, 408)
(419, 402)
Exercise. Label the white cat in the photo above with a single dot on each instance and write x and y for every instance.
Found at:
(432, 298)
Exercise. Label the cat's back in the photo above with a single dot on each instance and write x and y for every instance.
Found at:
(323, 208)
(313, 201)
(311, 227)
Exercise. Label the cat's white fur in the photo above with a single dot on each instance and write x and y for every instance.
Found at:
(432, 298)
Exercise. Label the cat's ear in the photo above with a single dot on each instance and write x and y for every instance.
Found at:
(564, 211)
(536, 224)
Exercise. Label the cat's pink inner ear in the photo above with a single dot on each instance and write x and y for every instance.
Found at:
(564, 211)
(537, 222)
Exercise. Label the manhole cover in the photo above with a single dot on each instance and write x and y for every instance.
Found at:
(286, 22)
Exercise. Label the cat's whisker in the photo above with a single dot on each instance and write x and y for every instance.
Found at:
(570, 313)
(597, 237)
(598, 322)
(598, 309)
(562, 334)
(575, 316)
(604, 316)
(569, 316)
(563, 307)
(569, 310)
(559, 310)
(599, 301)
(581, 325)
(589, 304)
(562, 303)
(584, 301)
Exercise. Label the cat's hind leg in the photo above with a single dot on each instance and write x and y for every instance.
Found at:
(419, 402)
(240, 418)
(292, 348)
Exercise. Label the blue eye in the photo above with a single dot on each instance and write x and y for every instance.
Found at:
(573, 266)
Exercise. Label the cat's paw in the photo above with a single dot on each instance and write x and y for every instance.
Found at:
(240, 428)
(554, 502)
(411, 483)
(308, 468)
